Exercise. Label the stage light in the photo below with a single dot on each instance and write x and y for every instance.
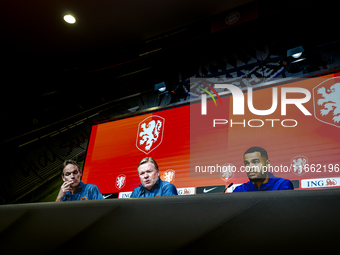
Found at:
(294, 62)
(161, 87)
(70, 19)
(295, 53)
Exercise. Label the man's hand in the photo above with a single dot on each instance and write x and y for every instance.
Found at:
(66, 187)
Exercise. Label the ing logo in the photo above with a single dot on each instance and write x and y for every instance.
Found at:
(331, 182)
(204, 98)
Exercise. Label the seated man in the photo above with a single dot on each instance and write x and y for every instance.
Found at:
(257, 164)
(151, 183)
(73, 188)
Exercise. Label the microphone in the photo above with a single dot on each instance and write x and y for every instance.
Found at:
(231, 184)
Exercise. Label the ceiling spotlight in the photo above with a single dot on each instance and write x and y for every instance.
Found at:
(297, 55)
(295, 52)
(161, 87)
(303, 60)
(295, 60)
(69, 19)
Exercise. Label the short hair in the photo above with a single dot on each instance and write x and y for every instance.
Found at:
(67, 162)
(148, 159)
(262, 151)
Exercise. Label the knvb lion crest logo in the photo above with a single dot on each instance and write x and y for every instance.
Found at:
(169, 176)
(227, 172)
(327, 101)
(298, 165)
(150, 133)
(120, 181)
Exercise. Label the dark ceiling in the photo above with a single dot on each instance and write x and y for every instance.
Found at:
(44, 59)
(37, 27)
(42, 54)
(37, 43)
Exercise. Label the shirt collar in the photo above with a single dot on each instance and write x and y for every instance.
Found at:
(271, 176)
(80, 187)
(156, 185)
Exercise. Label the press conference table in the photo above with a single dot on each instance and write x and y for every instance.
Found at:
(294, 221)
